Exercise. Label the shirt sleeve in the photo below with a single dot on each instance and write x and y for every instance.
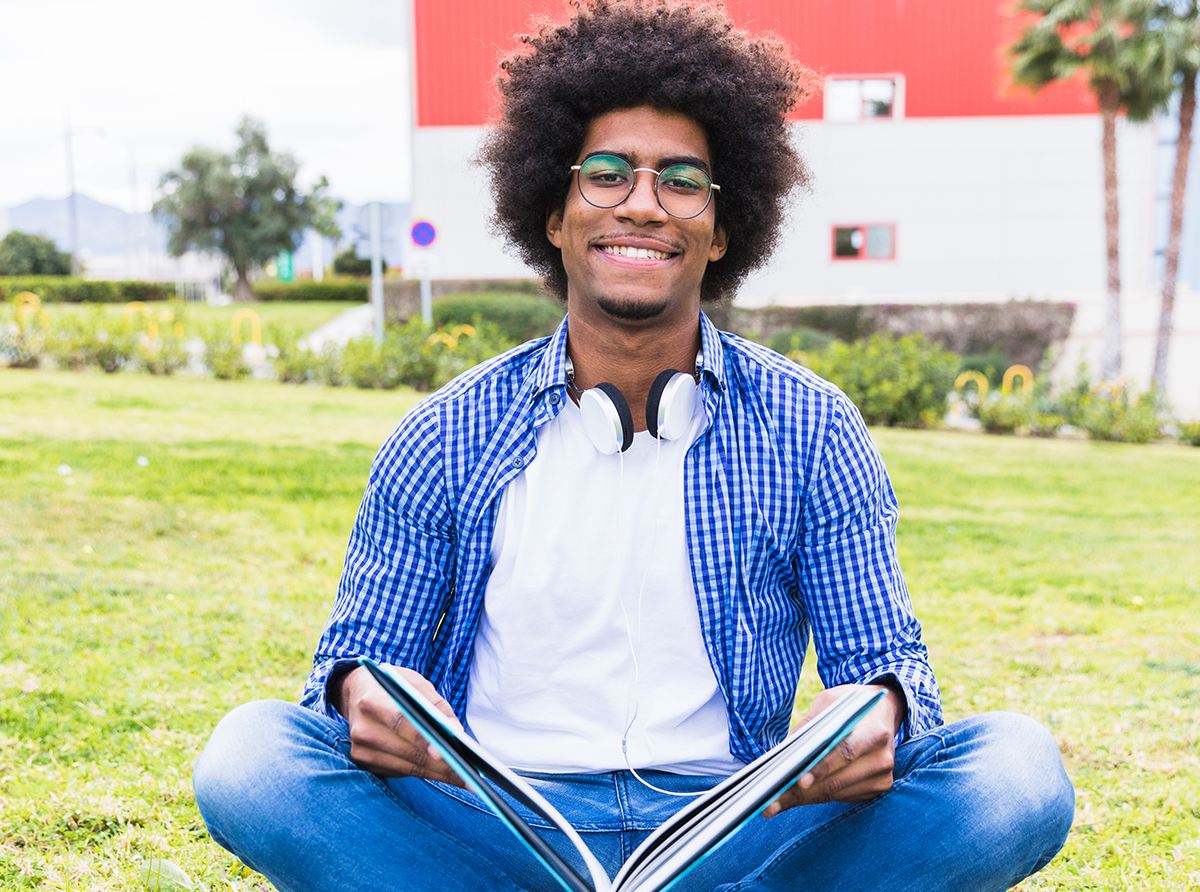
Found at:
(398, 576)
(854, 593)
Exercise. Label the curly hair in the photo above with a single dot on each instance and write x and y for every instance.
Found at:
(670, 55)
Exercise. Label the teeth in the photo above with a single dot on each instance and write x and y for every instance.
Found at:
(636, 253)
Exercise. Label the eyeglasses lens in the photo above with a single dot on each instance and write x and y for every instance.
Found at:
(683, 191)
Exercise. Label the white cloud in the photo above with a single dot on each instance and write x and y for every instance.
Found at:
(156, 78)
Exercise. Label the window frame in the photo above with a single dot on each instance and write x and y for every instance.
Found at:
(833, 254)
(897, 111)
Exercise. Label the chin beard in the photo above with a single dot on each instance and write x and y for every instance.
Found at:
(632, 311)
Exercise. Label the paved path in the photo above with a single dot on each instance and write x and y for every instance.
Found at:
(354, 323)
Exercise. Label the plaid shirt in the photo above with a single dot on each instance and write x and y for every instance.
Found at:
(790, 520)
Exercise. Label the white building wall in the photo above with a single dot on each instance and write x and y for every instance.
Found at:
(985, 209)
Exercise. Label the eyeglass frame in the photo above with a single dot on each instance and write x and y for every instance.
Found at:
(577, 168)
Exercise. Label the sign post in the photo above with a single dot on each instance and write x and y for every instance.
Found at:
(283, 267)
(377, 268)
(423, 235)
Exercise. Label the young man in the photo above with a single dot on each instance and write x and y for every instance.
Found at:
(610, 575)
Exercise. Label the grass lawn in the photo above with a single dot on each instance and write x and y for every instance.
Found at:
(187, 562)
(305, 316)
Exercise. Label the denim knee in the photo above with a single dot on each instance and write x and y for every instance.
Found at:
(242, 761)
(1031, 796)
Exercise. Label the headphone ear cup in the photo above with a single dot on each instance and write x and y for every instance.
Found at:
(606, 418)
(670, 405)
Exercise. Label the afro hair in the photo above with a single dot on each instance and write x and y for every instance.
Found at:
(669, 55)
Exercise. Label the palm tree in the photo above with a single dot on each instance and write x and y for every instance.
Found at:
(1175, 58)
(1108, 40)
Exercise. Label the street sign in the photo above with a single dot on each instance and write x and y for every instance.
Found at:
(423, 233)
(283, 267)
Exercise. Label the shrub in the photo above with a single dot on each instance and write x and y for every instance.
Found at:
(1113, 411)
(789, 340)
(24, 254)
(991, 365)
(1189, 432)
(66, 289)
(462, 347)
(225, 359)
(519, 317)
(893, 381)
(343, 289)
(1004, 414)
(292, 360)
(77, 340)
(348, 263)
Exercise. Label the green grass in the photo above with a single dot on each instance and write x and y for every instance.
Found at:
(140, 601)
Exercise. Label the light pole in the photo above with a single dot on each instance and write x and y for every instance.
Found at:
(72, 211)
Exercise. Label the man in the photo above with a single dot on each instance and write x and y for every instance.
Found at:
(621, 616)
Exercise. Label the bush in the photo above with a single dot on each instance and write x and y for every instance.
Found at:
(77, 340)
(789, 340)
(225, 359)
(23, 254)
(66, 289)
(1114, 412)
(348, 263)
(1189, 433)
(991, 365)
(351, 290)
(519, 317)
(893, 381)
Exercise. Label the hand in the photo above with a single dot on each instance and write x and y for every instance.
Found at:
(857, 769)
(382, 740)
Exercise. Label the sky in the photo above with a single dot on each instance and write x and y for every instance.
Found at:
(143, 81)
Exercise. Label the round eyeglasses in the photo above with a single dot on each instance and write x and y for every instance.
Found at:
(683, 191)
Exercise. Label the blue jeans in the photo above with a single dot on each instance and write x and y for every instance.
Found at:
(976, 805)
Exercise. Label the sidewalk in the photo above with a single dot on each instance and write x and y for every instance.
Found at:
(354, 323)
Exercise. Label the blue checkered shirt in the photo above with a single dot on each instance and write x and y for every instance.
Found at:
(790, 518)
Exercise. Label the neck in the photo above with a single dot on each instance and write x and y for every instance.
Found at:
(631, 360)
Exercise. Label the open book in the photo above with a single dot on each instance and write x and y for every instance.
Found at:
(675, 847)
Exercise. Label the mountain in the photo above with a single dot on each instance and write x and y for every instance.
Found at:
(105, 230)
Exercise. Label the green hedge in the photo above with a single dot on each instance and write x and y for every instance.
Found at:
(347, 289)
(520, 317)
(893, 381)
(71, 290)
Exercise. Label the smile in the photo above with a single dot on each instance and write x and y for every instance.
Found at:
(635, 253)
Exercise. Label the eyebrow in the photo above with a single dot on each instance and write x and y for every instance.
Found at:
(663, 163)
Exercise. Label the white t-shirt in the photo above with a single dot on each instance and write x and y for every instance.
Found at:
(552, 684)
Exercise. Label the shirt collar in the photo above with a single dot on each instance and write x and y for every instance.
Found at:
(550, 374)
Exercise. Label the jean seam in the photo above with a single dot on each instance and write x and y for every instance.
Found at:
(779, 855)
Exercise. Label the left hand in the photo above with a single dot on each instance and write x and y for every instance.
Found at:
(857, 769)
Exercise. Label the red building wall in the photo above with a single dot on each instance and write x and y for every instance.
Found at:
(949, 51)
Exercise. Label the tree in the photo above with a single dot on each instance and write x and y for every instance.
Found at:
(23, 254)
(1176, 59)
(1109, 41)
(245, 206)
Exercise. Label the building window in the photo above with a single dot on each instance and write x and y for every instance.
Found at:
(874, 242)
(851, 99)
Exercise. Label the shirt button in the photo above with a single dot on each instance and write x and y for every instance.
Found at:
(554, 398)
(518, 462)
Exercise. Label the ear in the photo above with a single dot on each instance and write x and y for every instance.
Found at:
(720, 244)
(554, 221)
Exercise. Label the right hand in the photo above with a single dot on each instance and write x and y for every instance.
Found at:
(382, 740)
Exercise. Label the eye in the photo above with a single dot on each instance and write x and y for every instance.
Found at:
(605, 172)
(683, 179)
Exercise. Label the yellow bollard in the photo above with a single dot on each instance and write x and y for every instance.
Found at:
(1026, 379)
(255, 326)
(136, 306)
(25, 302)
(979, 378)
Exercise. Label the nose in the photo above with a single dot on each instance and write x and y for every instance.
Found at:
(641, 206)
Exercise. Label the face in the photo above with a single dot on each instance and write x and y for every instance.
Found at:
(635, 262)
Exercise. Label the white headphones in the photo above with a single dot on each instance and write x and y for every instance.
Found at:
(608, 422)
